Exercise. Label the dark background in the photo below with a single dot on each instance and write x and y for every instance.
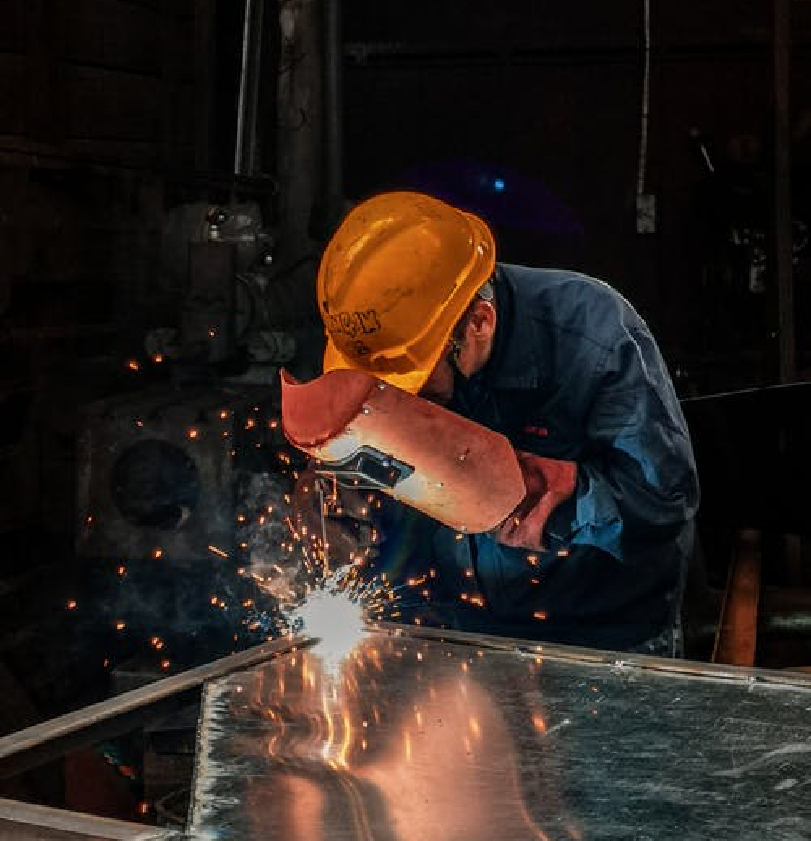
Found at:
(114, 111)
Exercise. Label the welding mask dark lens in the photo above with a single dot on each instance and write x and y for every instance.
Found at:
(367, 469)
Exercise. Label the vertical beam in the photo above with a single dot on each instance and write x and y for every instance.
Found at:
(239, 142)
(248, 105)
(299, 135)
(781, 49)
(333, 107)
(255, 72)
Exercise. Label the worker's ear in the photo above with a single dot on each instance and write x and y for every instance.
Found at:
(477, 338)
(481, 324)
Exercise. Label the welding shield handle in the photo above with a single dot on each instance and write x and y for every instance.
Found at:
(334, 521)
(549, 482)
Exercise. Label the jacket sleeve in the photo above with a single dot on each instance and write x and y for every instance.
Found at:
(636, 477)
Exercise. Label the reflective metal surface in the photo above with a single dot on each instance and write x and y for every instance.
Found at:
(417, 739)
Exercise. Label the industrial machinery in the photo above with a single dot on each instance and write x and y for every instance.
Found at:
(218, 262)
(181, 515)
(181, 481)
(162, 468)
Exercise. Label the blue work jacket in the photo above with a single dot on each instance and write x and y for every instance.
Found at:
(575, 374)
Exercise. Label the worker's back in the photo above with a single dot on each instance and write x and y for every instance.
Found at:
(574, 374)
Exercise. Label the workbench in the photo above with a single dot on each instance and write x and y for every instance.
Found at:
(421, 734)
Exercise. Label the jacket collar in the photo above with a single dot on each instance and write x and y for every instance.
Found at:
(516, 357)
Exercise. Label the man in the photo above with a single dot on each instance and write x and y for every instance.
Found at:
(410, 291)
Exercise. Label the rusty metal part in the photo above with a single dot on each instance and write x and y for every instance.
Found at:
(424, 455)
(736, 638)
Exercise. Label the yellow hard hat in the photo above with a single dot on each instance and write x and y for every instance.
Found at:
(394, 280)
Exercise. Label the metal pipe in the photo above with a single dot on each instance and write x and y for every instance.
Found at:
(28, 747)
(243, 83)
(609, 659)
(254, 71)
(31, 821)
(736, 637)
(248, 104)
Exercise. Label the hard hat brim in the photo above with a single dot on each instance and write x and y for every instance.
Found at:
(412, 381)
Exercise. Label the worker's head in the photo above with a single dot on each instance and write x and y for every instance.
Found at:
(397, 290)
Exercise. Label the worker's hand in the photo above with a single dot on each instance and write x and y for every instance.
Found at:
(549, 482)
(325, 511)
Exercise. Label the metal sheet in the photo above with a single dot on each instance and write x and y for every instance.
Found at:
(423, 739)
